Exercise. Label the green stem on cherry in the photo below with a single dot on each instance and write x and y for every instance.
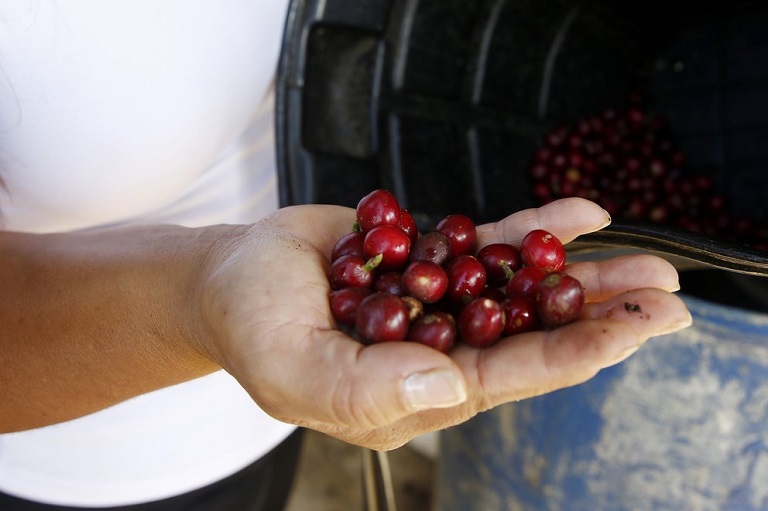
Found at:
(373, 262)
(507, 270)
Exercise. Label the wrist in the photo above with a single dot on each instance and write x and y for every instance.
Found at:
(210, 284)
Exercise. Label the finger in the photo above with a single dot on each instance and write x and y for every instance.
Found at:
(531, 364)
(604, 279)
(565, 218)
(650, 312)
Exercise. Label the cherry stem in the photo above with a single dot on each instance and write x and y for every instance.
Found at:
(507, 270)
(373, 262)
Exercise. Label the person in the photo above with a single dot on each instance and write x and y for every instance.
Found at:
(165, 325)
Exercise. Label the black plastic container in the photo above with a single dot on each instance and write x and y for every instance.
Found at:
(445, 101)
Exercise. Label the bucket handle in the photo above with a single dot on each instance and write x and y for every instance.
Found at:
(685, 249)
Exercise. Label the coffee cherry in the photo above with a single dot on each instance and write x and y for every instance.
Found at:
(408, 224)
(382, 317)
(391, 243)
(525, 282)
(501, 260)
(425, 281)
(436, 329)
(461, 233)
(432, 246)
(349, 244)
(560, 299)
(543, 250)
(481, 322)
(520, 315)
(380, 207)
(344, 303)
(627, 162)
(351, 271)
(389, 282)
(466, 278)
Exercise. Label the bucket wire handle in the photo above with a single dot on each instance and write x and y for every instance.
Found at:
(379, 492)
(686, 249)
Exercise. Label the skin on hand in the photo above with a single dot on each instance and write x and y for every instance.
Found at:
(265, 305)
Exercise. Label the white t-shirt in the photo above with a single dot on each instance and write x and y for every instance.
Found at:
(128, 112)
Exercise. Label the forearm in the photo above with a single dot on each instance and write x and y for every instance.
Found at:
(93, 318)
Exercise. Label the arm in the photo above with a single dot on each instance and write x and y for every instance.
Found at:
(92, 318)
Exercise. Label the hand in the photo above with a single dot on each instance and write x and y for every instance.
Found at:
(266, 307)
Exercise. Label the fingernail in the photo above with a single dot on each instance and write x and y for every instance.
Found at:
(607, 220)
(605, 223)
(438, 388)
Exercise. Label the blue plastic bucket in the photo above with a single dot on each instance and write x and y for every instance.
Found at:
(681, 425)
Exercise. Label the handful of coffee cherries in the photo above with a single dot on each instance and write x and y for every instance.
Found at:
(392, 283)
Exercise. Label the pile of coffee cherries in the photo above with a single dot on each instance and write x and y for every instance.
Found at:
(626, 159)
(392, 283)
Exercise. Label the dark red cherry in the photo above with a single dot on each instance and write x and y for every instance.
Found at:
(542, 249)
(525, 282)
(426, 281)
(501, 260)
(351, 271)
(391, 242)
(520, 315)
(344, 303)
(560, 299)
(380, 207)
(382, 317)
(466, 278)
(480, 322)
(461, 233)
(349, 244)
(436, 329)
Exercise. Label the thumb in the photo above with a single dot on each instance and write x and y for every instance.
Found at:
(403, 378)
(368, 387)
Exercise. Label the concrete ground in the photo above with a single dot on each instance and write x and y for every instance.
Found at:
(329, 477)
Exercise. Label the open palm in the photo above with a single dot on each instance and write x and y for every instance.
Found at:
(266, 305)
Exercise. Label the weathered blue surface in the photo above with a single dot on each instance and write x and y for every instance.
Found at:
(682, 425)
